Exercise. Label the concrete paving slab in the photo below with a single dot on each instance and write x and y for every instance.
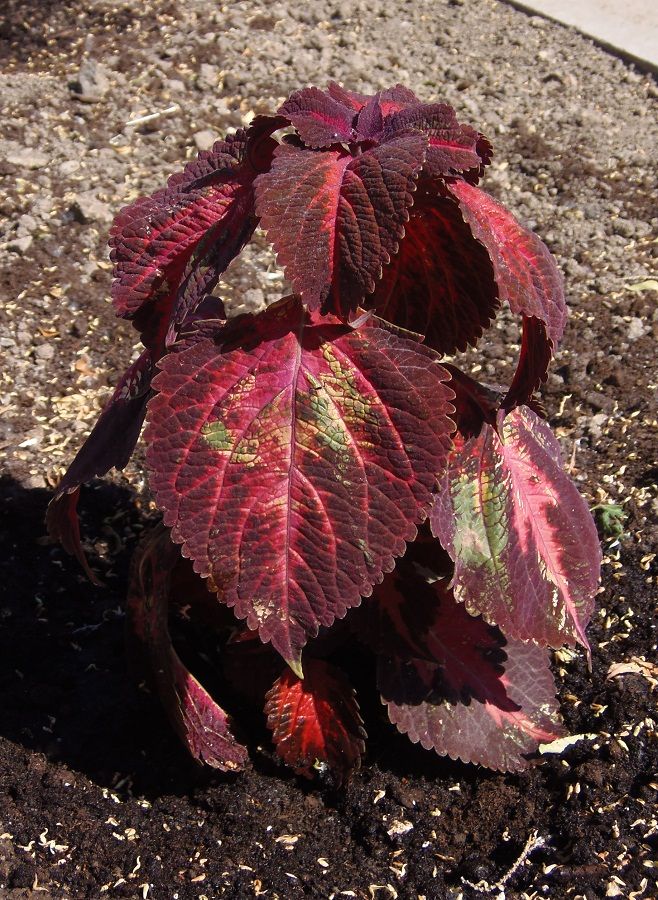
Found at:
(629, 28)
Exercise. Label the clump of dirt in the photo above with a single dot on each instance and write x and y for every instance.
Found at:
(97, 797)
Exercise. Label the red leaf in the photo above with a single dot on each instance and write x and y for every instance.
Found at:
(210, 258)
(532, 365)
(199, 721)
(455, 684)
(527, 277)
(110, 444)
(370, 121)
(295, 461)
(391, 100)
(319, 119)
(523, 541)
(153, 240)
(335, 219)
(316, 720)
(441, 282)
(452, 147)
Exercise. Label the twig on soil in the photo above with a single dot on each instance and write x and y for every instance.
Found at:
(142, 120)
(572, 462)
(150, 117)
(484, 887)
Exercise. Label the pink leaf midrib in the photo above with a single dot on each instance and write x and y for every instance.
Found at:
(539, 525)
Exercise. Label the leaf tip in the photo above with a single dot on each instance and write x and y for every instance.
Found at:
(296, 666)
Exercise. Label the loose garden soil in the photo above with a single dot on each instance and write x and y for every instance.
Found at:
(98, 798)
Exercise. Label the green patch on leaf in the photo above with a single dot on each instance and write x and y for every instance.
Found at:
(482, 534)
(217, 435)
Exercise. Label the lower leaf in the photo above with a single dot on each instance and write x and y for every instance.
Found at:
(523, 541)
(110, 444)
(455, 684)
(199, 721)
(315, 722)
(497, 731)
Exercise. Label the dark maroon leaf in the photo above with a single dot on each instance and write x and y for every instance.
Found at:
(390, 100)
(454, 683)
(110, 444)
(489, 733)
(294, 461)
(451, 148)
(154, 239)
(441, 283)
(370, 122)
(316, 720)
(319, 119)
(64, 526)
(532, 365)
(474, 403)
(524, 544)
(201, 724)
(335, 219)
(211, 257)
(527, 277)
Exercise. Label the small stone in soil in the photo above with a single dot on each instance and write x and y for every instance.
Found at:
(86, 208)
(20, 245)
(92, 83)
(635, 329)
(28, 159)
(204, 139)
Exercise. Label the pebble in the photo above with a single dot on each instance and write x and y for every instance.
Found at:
(254, 299)
(92, 83)
(44, 351)
(69, 167)
(595, 424)
(26, 158)
(27, 223)
(20, 245)
(208, 75)
(636, 329)
(204, 139)
(86, 208)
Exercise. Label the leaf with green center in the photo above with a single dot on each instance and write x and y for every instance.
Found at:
(336, 219)
(524, 544)
(454, 683)
(199, 721)
(316, 721)
(294, 460)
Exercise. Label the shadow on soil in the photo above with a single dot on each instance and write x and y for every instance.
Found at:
(65, 686)
(64, 682)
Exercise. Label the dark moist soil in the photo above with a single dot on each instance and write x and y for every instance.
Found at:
(98, 798)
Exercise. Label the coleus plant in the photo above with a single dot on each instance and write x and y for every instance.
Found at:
(295, 454)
